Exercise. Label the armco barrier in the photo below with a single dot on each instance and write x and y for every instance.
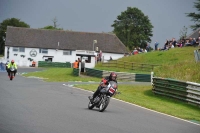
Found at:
(76, 72)
(197, 56)
(120, 75)
(53, 64)
(186, 91)
(143, 77)
(94, 72)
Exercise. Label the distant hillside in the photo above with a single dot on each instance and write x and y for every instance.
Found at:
(177, 63)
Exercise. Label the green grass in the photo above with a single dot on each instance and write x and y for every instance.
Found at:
(177, 63)
(60, 75)
(143, 96)
(100, 67)
(1, 55)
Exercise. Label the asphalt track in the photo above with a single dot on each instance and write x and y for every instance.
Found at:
(30, 105)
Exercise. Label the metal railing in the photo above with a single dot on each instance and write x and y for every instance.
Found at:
(197, 55)
(186, 91)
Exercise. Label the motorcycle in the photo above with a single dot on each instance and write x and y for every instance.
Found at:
(12, 69)
(102, 100)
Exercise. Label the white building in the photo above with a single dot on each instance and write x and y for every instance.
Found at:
(25, 44)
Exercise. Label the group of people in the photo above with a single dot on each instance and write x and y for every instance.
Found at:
(138, 50)
(180, 43)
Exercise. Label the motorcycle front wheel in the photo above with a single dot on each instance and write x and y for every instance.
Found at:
(90, 105)
(11, 76)
(104, 104)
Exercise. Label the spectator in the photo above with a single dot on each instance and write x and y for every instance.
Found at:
(100, 55)
(75, 64)
(148, 48)
(156, 45)
(79, 61)
(194, 42)
(33, 63)
(144, 50)
(174, 42)
(187, 43)
(135, 51)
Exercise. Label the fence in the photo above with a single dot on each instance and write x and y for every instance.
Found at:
(196, 55)
(120, 75)
(130, 65)
(186, 91)
(53, 64)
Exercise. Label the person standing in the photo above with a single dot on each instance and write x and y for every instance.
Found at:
(100, 55)
(156, 45)
(76, 64)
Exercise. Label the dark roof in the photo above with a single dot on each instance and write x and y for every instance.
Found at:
(68, 40)
(194, 34)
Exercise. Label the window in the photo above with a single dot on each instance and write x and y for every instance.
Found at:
(43, 51)
(65, 52)
(15, 49)
(21, 49)
(87, 59)
(18, 49)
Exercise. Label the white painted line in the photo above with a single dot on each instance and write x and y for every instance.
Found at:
(141, 107)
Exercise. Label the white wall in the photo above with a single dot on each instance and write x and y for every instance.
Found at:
(57, 56)
(114, 56)
(92, 64)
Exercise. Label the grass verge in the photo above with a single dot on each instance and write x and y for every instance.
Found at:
(60, 75)
(143, 96)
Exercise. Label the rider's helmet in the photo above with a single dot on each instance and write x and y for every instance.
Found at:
(12, 61)
(113, 76)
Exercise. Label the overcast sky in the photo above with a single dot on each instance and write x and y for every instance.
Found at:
(167, 16)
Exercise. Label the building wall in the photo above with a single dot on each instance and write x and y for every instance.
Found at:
(23, 61)
(57, 56)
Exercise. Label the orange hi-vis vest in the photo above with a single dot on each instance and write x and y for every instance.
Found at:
(75, 64)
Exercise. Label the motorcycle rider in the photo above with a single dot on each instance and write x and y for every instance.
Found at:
(12, 64)
(104, 82)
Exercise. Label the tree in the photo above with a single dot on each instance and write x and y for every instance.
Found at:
(49, 27)
(54, 27)
(195, 16)
(3, 27)
(132, 27)
(183, 33)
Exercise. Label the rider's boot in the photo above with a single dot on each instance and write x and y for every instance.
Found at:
(91, 99)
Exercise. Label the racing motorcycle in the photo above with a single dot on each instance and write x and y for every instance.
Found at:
(102, 100)
(12, 69)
